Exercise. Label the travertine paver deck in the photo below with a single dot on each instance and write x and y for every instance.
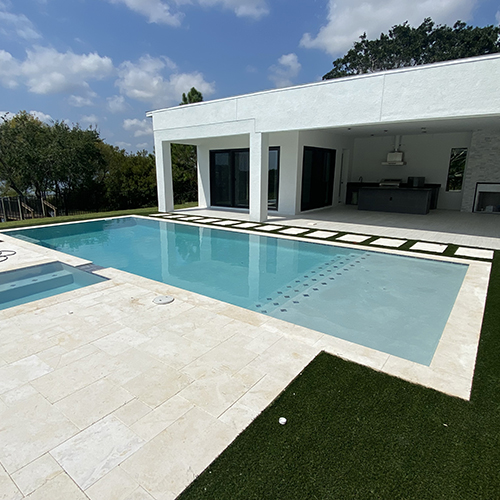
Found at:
(478, 253)
(353, 238)
(321, 234)
(388, 242)
(105, 395)
(429, 247)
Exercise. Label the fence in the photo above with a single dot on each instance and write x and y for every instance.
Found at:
(25, 207)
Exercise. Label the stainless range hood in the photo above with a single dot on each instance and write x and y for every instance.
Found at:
(395, 157)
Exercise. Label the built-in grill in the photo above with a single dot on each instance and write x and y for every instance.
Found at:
(394, 183)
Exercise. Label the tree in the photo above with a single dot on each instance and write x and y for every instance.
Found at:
(78, 166)
(24, 155)
(407, 46)
(184, 174)
(130, 179)
(192, 96)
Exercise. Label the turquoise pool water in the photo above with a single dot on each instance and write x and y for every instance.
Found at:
(28, 284)
(395, 304)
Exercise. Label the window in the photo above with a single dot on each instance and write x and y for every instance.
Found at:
(456, 169)
(230, 176)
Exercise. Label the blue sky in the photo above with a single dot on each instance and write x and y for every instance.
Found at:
(106, 62)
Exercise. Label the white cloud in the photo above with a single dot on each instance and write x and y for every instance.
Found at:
(9, 70)
(156, 11)
(497, 17)
(348, 19)
(47, 71)
(138, 127)
(42, 116)
(89, 119)
(116, 104)
(160, 11)
(288, 67)
(16, 25)
(147, 81)
(142, 145)
(242, 8)
(79, 101)
(123, 145)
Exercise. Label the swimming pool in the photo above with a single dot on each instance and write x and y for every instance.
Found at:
(395, 304)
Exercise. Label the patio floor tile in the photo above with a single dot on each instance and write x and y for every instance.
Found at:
(479, 253)
(429, 247)
(29, 429)
(94, 452)
(293, 231)
(388, 242)
(321, 234)
(353, 238)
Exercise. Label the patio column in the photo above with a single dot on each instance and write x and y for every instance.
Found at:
(203, 158)
(164, 176)
(259, 166)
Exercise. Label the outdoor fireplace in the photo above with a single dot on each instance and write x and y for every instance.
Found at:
(487, 197)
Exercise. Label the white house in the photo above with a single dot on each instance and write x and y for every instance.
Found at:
(312, 146)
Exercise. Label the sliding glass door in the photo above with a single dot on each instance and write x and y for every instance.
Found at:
(318, 169)
(230, 176)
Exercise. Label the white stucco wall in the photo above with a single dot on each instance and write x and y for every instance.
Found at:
(452, 89)
(426, 155)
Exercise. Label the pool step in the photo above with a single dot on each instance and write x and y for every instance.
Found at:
(310, 283)
(17, 289)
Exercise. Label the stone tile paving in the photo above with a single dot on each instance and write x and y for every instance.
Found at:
(429, 247)
(104, 394)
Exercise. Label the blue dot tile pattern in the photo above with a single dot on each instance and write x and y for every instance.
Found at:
(285, 299)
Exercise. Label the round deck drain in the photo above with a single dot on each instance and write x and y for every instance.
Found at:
(163, 299)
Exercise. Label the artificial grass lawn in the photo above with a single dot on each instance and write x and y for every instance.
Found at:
(353, 432)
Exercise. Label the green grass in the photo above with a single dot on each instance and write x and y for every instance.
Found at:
(356, 433)
(95, 215)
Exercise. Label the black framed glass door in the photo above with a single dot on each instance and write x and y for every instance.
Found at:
(318, 169)
(230, 178)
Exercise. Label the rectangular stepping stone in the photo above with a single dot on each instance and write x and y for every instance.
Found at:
(269, 228)
(246, 225)
(159, 215)
(474, 252)
(225, 223)
(293, 231)
(193, 218)
(388, 242)
(353, 238)
(321, 234)
(207, 221)
(429, 247)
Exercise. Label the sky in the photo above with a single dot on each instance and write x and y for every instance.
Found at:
(105, 63)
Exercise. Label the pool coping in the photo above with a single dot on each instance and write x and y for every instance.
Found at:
(452, 367)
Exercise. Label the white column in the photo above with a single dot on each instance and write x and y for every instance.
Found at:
(259, 167)
(164, 176)
(203, 158)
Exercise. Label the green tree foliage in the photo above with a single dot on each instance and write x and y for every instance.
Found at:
(24, 156)
(192, 96)
(72, 166)
(79, 167)
(131, 178)
(184, 174)
(407, 46)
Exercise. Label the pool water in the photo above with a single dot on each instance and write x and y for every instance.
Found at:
(395, 304)
(28, 284)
